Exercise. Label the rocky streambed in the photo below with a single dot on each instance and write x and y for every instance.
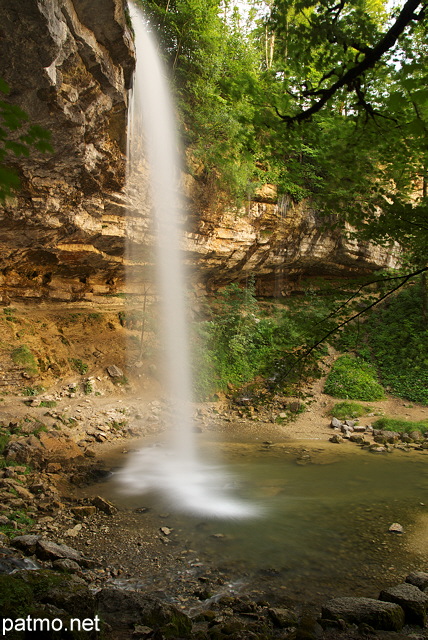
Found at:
(146, 572)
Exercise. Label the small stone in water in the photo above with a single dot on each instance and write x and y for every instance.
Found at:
(165, 530)
(396, 528)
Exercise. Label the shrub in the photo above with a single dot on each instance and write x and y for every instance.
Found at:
(88, 388)
(78, 365)
(395, 424)
(395, 338)
(23, 357)
(353, 379)
(33, 391)
(344, 410)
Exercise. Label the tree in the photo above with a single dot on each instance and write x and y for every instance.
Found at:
(343, 42)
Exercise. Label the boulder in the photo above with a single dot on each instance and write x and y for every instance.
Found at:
(378, 614)
(282, 618)
(411, 599)
(48, 550)
(419, 579)
(114, 371)
(27, 543)
(12, 560)
(104, 505)
(396, 527)
(124, 609)
(67, 592)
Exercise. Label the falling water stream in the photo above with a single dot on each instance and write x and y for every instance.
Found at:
(176, 469)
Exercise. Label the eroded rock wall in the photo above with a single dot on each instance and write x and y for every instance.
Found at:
(277, 243)
(69, 64)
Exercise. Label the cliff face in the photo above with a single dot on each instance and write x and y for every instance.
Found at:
(277, 244)
(69, 64)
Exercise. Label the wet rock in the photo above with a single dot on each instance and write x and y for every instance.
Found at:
(27, 543)
(396, 528)
(308, 627)
(165, 530)
(359, 439)
(67, 592)
(66, 565)
(104, 505)
(419, 579)
(377, 448)
(142, 631)
(122, 609)
(48, 550)
(388, 616)
(282, 618)
(12, 560)
(336, 439)
(411, 599)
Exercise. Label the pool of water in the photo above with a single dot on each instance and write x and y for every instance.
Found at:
(323, 523)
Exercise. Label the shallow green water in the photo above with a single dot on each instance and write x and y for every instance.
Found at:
(323, 528)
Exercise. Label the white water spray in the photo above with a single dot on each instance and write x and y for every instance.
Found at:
(176, 470)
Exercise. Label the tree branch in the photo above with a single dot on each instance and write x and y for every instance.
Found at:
(312, 348)
(406, 16)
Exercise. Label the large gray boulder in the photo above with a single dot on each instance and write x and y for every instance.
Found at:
(412, 600)
(419, 579)
(388, 616)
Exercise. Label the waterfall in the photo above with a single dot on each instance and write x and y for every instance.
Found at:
(175, 470)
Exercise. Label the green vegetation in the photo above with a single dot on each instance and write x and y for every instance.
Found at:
(48, 404)
(395, 339)
(78, 365)
(120, 380)
(16, 597)
(347, 410)
(23, 357)
(88, 388)
(354, 379)
(17, 138)
(402, 426)
(23, 521)
(244, 341)
(33, 391)
(117, 425)
(351, 74)
(42, 428)
(4, 439)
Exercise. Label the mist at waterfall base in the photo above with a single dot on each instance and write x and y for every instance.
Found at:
(176, 470)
